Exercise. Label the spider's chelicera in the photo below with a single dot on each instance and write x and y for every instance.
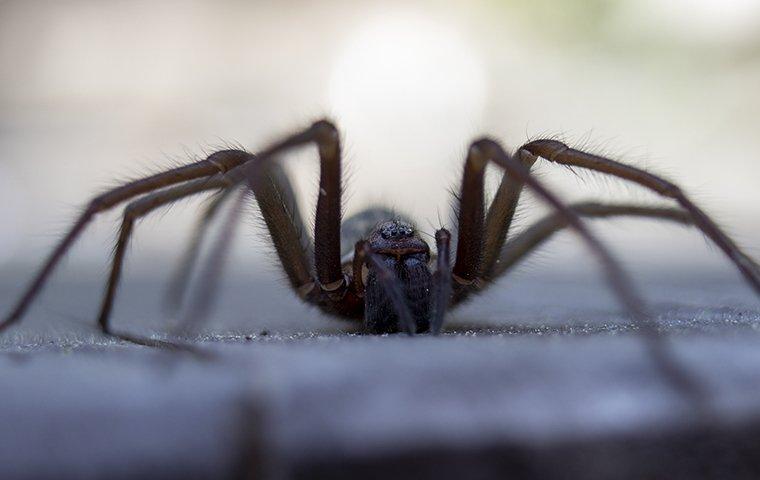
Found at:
(405, 256)
(374, 267)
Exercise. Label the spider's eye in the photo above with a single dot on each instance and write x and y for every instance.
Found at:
(396, 230)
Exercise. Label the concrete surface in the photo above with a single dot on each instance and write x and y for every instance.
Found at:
(540, 379)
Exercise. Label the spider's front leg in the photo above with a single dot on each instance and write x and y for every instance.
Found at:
(470, 246)
(480, 235)
(327, 262)
(330, 288)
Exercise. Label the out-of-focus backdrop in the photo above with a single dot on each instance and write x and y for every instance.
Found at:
(92, 92)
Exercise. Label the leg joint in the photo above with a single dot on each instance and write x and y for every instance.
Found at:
(132, 211)
(225, 160)
(548, 149)
(325, 130)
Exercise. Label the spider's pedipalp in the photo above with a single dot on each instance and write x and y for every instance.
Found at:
(441, 291)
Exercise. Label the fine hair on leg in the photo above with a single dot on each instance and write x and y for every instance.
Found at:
(535, 235)
(557, 152)
(218, 162)
(486, 149)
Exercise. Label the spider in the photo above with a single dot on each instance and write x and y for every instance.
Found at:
(393, 282)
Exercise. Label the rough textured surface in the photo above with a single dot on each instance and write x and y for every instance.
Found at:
(525, 384)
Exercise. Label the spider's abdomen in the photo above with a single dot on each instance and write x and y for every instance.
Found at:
(406, 255)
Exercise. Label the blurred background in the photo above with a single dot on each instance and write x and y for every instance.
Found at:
(92, 92)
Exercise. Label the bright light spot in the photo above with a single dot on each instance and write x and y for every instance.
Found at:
(408, 91)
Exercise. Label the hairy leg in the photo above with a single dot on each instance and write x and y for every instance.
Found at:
(278, 206)
(215, 163)
(269, 185)
(180, 278)
(529, 240)
(327, 261)
(279, 209)
(499, 218)
(480, 236)
(276, 197)
(138, 209)
(330, 290)
(558, 152)
(486, 149)
(208, 282)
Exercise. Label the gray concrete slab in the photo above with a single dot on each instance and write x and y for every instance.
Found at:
(524, 384)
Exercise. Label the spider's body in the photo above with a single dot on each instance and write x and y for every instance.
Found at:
(390, 278)
(406, 255)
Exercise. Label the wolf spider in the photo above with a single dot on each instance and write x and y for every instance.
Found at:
(393, 281)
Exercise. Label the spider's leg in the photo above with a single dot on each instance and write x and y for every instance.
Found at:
(327, 220)
(215, 163)
(488, 149)
(471, 222)
(208, 283)
(276, 201)
(470, 219)
(331, 289)
(441, 291)
(138, 209)
(278, 206)
(179, 280)
(276, 197)
(499, 218)
(480, 238)
(558, 152)
(531, 238)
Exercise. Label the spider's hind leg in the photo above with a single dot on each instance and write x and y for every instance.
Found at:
(132, 213)
(279, 211)
(519, 247)
(217, 162)
(558, 152)
(180, 278)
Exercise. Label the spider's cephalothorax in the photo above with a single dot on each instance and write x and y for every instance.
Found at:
(406, 255)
